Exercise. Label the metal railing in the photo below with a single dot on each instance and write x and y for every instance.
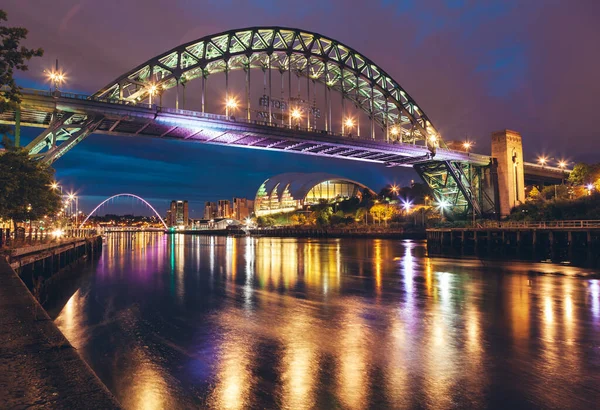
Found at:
(219, 117)
(574, 224)
(24, 238)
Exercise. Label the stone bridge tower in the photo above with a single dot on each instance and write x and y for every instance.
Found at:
(507, 150)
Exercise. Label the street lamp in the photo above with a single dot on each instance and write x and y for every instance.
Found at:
(56, 76)
(230, 105)
(542, 160)
(394, 188)
(442, 205)
(152, 89)
(296, 115)
(589, 187)
(395, 131)
(348, 123)
(467, 145)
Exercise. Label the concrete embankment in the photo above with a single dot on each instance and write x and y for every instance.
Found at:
(39, 369)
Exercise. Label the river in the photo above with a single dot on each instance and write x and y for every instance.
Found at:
(177, 322)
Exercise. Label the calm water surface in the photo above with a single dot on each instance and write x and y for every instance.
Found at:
(177, 322)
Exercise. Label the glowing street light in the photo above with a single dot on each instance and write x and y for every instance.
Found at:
(542, 160)
(56, 76)
(395, 189)
(407, 206)
(562, 164)
(467, 145)
(348, 123)
(589, 187)
(442, 205)
(230, 105)
(296, 115)
(152, 90)
(395, 131)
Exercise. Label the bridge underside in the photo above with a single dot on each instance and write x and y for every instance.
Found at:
(461, 188)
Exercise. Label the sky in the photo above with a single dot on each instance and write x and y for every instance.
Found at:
(473, 66)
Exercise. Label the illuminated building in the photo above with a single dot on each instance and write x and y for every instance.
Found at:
(224, 208)
(293, 191)
(242, 208)
(178, 214)
(210, 210)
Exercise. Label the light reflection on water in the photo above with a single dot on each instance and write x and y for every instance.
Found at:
(230, 323)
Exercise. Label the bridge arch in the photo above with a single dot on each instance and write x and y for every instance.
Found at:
(125, 194)
(307, 54)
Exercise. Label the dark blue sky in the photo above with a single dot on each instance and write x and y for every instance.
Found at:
(473, 66)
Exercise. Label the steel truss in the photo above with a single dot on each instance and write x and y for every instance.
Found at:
(310, 55)
(465, 187)
(66, 129)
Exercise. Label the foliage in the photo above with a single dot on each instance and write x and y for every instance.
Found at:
(12, 57)
(582, 174)
(25, 192)
(265, 221)
(382, 212)
(586, 207)
(549, 192)
(534, 193)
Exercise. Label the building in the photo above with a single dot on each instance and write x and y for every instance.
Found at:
(210, 210)
(293, 191)
(216, 224)
(224, 208)
(178, 214)
(242, 208)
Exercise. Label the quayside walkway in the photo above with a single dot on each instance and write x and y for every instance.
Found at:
(556, 240)
(39, 369)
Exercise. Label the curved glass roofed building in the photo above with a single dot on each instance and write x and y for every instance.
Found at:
(292, 191)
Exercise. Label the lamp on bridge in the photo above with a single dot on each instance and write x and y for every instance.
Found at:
(56, 76)
(296, 115)
(467, 145)
(231, 104)
(542, 161)
(348, 124)
(395, 131)
(152, 89)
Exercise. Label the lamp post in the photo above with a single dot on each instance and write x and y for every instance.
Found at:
(152, 89)
(56, 76)
(230, 105)
(348, 123)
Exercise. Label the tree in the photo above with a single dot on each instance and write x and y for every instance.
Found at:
(534, 193)
(25, 188)
(382, 212)
(12, 57)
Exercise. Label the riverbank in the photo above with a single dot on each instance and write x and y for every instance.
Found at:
(313, 233)
(39, 368)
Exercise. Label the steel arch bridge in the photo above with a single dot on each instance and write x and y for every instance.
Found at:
(120, 195)
(306, 54)
(400, 132)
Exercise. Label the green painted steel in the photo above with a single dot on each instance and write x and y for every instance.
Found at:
(306, 54)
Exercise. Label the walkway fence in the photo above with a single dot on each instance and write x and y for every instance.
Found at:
(581, 224)
(24, 237)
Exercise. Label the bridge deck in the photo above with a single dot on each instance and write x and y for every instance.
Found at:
(142, 120)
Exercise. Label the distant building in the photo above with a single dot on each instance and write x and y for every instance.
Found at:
(210, 210)
(224, 208)
(168, 218)
(216, 224)
(179, 215)
(294, 191)
(242, 208)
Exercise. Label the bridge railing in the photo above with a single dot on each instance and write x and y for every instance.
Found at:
(219, 117)
(577, 224)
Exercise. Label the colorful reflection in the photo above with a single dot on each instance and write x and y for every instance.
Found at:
(214, 322)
